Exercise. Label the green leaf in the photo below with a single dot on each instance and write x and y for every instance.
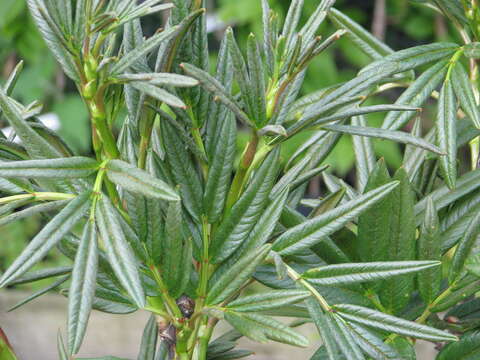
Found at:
(446, 133)
(149, 340)
(416, 56)
(159, 94)
(291, 22)
(381, 321)
(313, 231)
(220, 171)
(262, 328)
(397, 136)
(159, 79)
(36, 209)
(41, 274)
(216, 88)
(416, 95)
(267, 300)
(118, 250)
(464, 248)
(257, 82)
(62, 352)
(139, 181)
(428, 248)
(345, 341)
(458, 294)
(143, 49)
(39, 293)
(340, 274)
(464, 92)
(395, 293)
(184, 172)
(53, 39)
(468, 348)
(233, 278)
(472, 50)
(47, 238)
(359, 36)
(70, 167)
(82, 287)
(371, 344)
(245, 213)
(364, 154)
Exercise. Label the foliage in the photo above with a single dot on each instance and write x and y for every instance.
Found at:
(161, 220)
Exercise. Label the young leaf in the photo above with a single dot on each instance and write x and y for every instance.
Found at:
(397, 136)
(183, 170)
(340, 274)
(395, 293)
(262, 328)
(446, 133)
(71, 167)
(267, 300)
(416, 95)
(47, 238)
(82, 287)
(220, 172)
(118, 250)
(313, 231)
(359, 36)
(159, 94)
(465, 247)
(364, 154)
(244, 214)
(257, 79)
(172, 245)
(466, 349)
(463, 90)
(149, 340)
(428, 248)
(139, 181)
(381, 321)
(232, 279)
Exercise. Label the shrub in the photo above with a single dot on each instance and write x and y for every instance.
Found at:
(165, 220)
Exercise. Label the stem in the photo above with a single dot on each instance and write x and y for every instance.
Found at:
(197, 137)
(245, 162)
(297, 278)
(204, 337)
(171, 304)
(39, 196)
(427, 312)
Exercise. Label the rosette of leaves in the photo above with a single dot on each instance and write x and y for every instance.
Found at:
(164, 219)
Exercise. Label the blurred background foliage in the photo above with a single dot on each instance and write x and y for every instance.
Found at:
(400, 23)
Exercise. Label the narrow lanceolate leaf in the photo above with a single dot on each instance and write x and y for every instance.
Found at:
(467, 348)
(429, 248)
(291, 21)
(465, 247)
(416, 95)
(30, 211)
(149, 340)
(139, 181)
(234, 277)
(172, 245)
(257, 78)
(464, 92)
(359, 36)
(416, 56)
(309, 233)
(244, 214)
(381, 321)
(262, 328)
(395, 293)
(446, 133)
(183, 169)
(158, 94)
(36, 146)
(62, 352)
(220, 172)
(70, 167)
(159, 79)
(472, 50)
(397, 136)
(268, 300)
(344, 338)
(47, 238)
(372, 344)
(82, 287)
(118, 250)
(143, 49)
(339, 274)
(216, 88)
(52, 38)
(364, 154)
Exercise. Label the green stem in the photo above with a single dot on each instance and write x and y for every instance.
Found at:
(197, 137)
(169, 301)
(204, 336)
(428, 311)
(39, 196)
(238, 181)
(297, 278)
